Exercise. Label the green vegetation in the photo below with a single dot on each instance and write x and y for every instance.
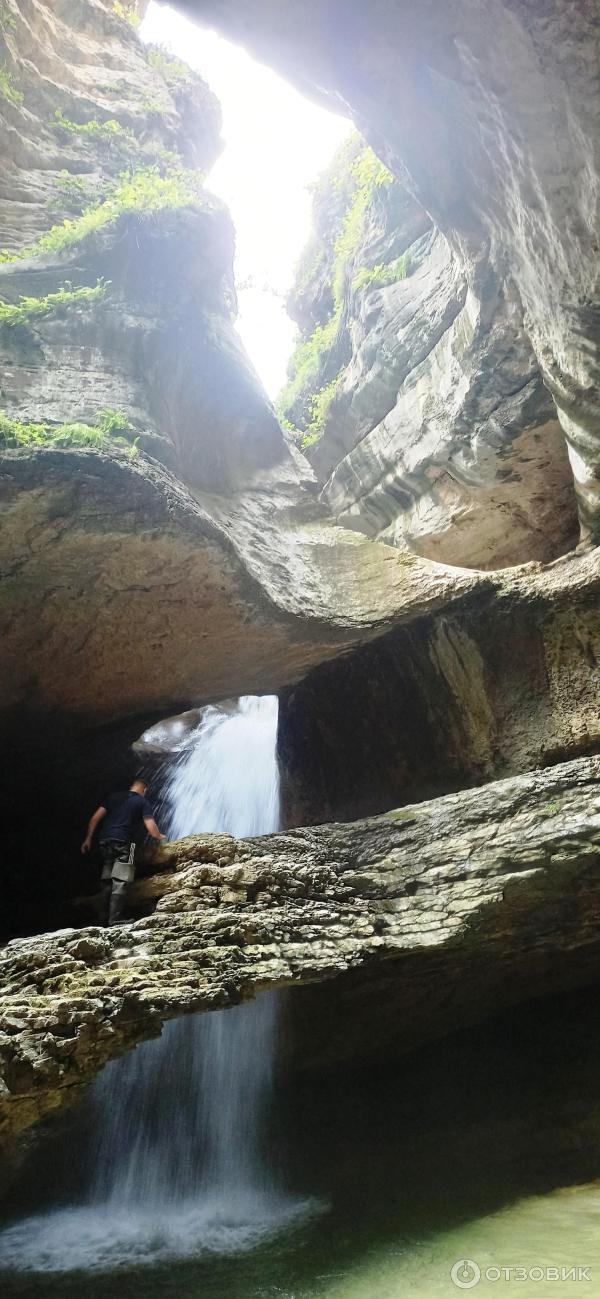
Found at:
(73, 194)
(296, 433)
(8, 90)
(15, 433)
(152, 107)
(141, 192)
(356, 177)
(106, 132)
(307, 358)
(111, 422)
(382, 274)
(319, 410)
(173, 70)
(368, 175)
(168, 163)
(12, 314)
(127, 12)
(8, 22)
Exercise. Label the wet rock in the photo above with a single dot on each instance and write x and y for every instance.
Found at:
(410, 925)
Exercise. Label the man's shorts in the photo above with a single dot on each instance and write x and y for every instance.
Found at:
(117, 860)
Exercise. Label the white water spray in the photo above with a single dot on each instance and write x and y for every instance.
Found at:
(227, 777)
(179, 1167)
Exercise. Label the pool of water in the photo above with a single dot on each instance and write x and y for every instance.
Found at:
(481, 1153)
(556, 1235)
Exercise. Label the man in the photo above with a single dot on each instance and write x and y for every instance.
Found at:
(123, 815)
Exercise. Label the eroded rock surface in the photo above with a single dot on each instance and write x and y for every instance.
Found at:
(236, 581)
(433, 427)
(82, 62)
(450, 909)
(488, 112)
(496, 687)
(122, 595)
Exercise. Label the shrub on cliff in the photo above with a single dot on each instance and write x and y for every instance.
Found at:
(355, 176)
(127, 13)
(141, 191)
(13, 314)
(172, 70)
(8, 90)
(375, 276)
(102, 435)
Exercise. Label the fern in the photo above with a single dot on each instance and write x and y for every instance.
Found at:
(8, 90)
(16, 433)
(382, 273)
(141, 192)
(12, 314)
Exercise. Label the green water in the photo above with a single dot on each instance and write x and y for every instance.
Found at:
(334, 1260)
(484, 1148)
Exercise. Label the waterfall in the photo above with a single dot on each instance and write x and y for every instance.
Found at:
(179, 1166)
(226, 776)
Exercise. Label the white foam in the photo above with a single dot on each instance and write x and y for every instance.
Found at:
(97, 1239)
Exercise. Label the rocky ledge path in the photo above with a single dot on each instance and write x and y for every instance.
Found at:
(405, 925)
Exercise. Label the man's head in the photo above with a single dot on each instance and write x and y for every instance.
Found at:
(139, 786)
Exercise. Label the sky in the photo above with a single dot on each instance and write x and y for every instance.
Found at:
(276, 143)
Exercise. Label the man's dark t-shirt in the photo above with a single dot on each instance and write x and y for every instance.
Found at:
(125, 812)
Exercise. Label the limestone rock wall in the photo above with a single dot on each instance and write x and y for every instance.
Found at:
(488, 112)
(453, 700)
(77, 63)
(91, 121)
(439, 433)
(154, 345)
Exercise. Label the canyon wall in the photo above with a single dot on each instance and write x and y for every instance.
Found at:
(147, 486)
(457, 698)
(488, 114)
(425, 417)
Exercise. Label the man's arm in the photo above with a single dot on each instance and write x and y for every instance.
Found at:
(153, 829)
(94, 821)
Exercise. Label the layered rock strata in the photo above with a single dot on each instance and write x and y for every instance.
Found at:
(495, 687)
(158, 345)
(424, 411)
(123, 600)
(125, 315)
(488, 112)
(416, 922)
(68, 67)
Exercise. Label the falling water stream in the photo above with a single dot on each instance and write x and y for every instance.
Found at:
(227, 777)
(478, 1157)
(179, 1166)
